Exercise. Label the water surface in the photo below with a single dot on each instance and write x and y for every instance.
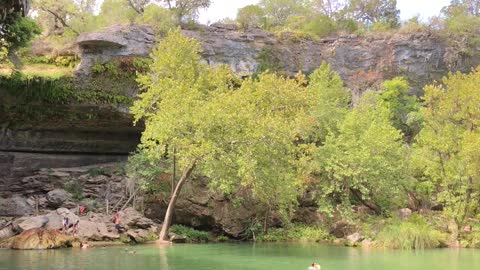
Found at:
(238, 256)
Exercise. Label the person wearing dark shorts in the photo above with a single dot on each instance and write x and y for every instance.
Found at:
(116, 221)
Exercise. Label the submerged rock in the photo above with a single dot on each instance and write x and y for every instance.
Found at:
(40, 238)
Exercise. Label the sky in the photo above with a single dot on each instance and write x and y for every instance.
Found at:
(221, 9)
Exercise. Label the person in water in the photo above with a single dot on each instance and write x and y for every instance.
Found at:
(312, 267)
(84, 245)
(316, 266)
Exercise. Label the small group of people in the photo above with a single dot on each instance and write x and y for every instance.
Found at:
(314, 266)
(68, 227)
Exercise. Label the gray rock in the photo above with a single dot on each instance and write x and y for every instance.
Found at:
(6, 232)
(342, 229)
(176, 238)
(15, 206)
(354, 239)
(131, 218)
(31, 223)
(57, 197)
(56, 218)
(141, 236)
(95, 231)
(404, 213)
(367, 243)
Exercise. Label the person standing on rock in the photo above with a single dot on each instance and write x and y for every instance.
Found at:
(65, 224)
(116, 221)
(75, 227)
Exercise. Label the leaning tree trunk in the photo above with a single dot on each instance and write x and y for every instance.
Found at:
(173, 200)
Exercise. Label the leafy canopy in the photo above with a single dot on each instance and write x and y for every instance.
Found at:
(364, 162)
(238, 134)
(447, 149)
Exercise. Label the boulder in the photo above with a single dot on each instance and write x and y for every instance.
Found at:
(6, 232)
(341, 229)
(52, 220)
(57, 197)
(96, 231)
(56, 218)
(40, 238)
(25, 224)
(354, 239)
(404, 213)
(15, 206)
(176, 238)
(131, 218)
(142, 236)
(367, 243)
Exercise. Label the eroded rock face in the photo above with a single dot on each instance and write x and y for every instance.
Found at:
(201, 208)
(100, 47)
(362, 61)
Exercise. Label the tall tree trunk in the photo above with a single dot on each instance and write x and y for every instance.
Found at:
(173, 200)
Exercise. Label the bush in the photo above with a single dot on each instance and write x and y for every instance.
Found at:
(413, 234)
(191, 234)
(381, 27)
(75, 188)
(321, 26)
(223, 238)
(295, 232)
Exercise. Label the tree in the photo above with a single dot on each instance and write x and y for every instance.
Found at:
(16, 35)
(237, 136)
(447, 148)
(57, 16)
(329, 8)
(16, 30)
(278, 11)
(186, 10)
(364, 162)
(462, 7)
(138, 5)
(374, 11)
(403, 107)
(332, 102)
(251, 16)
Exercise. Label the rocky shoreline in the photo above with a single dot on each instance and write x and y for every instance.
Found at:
(44, 231)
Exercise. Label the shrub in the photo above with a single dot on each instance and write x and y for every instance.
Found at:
(96, 171)
(415, 233)
(321, 26)
(295, 232)
(223, 238)
(191, 234)
(381, 27)
(75, 188)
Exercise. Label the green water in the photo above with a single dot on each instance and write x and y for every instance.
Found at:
(239, 256)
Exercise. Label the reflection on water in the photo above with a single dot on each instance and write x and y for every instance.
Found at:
(238, 256)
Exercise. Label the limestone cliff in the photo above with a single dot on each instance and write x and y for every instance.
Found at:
(362, 61)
